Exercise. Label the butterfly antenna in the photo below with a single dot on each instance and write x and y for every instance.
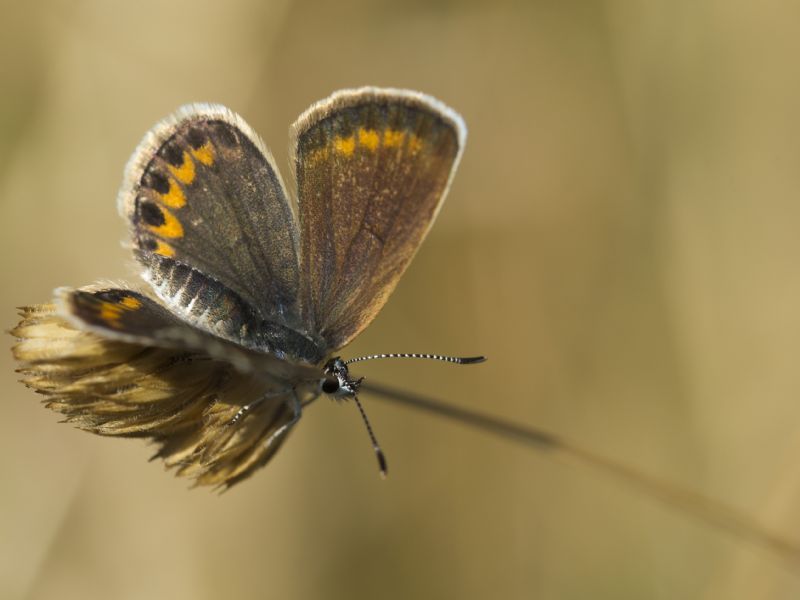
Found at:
(458, 360)
(375, 446)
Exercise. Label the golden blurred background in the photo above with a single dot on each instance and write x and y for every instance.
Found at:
(621, 240)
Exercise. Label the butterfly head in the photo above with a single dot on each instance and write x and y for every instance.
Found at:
(337, 382)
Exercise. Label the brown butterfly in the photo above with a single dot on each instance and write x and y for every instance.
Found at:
(253, 287)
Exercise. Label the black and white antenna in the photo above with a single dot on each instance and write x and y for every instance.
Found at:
(458, 360)
(375, 446)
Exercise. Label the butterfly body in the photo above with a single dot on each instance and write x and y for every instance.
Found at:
(253, 285)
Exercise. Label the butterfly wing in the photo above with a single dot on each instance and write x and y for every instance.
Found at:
(372, 168)
(116, 363)
(129, 316)
(201, 192)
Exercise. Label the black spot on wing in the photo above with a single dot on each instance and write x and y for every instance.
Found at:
(148, 244)
(156, 181)
(224, 133)
(172, 153)
(150, 213)
(115, 295)
(195, 137)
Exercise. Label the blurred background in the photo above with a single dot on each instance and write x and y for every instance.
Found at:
(621, 241)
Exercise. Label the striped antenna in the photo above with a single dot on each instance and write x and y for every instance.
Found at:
(375, 446)
(458, 360)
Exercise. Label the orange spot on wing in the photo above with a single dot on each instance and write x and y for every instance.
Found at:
(345, 146)
(110, 313)
(171, 227)
(164, 249)
(174, 198)
(368, 138)
(131, 303)
(205, 154)
(393, 138)
(185, 173)
(414, 143)
(317, 156)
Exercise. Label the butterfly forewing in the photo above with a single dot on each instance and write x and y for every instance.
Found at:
(202, 189)
(372, 168)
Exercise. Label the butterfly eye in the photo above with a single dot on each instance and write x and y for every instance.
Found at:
(330, 385)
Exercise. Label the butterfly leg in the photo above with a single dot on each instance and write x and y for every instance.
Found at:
(247, 408)
(297, 408)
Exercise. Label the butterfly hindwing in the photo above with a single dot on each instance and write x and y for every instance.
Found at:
(129, 316)
(119, 313)
(202, 189)
(372, 168)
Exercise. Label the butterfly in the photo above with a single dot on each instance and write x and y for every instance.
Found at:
(253, 285)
